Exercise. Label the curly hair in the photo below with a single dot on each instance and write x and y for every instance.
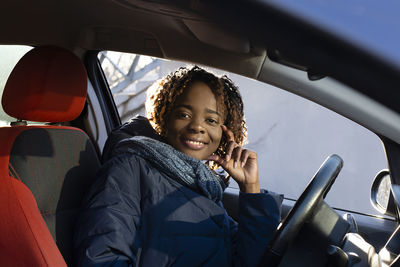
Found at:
(161, 102)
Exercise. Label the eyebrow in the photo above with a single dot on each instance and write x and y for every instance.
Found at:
(207, 109)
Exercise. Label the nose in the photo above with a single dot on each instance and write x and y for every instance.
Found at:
(195, 126)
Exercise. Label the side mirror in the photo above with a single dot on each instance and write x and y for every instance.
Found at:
(381, 194)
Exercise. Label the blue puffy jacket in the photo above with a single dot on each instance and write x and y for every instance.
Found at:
(135, 215)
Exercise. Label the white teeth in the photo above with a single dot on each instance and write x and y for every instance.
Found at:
(194, 142)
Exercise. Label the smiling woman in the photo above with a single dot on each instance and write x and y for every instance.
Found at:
(195, 110)
(172, 195)
(209, 108)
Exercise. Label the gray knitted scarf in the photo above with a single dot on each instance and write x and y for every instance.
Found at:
(178, 166)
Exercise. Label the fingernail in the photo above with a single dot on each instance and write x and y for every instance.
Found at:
(227, 157)
(242, 164)
(235, 164)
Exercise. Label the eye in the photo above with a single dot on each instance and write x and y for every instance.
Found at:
(182, 115)
(212, 121)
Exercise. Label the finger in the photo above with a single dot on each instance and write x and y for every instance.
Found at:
(229, 134)
(236, 155)
(229, 149)
(218, 160)
(244, 157)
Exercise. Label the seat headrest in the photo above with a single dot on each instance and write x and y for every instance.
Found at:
(48, 84)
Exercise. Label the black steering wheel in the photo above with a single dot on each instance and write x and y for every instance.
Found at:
(301, 212)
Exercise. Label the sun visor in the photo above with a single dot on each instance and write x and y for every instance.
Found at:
(213, 35)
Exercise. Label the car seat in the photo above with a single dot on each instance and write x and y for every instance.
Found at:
(45, 170)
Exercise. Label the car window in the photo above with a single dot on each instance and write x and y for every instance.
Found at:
(291, 135)
(9, 54)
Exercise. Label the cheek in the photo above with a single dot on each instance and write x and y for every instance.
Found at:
(172, 126)
(217, 136)
(169, 132)
(174, 130)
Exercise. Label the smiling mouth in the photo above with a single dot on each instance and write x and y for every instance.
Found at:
(196, 145)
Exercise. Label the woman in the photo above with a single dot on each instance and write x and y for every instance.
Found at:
(158, 203)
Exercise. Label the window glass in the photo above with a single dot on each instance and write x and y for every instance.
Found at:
(291, 135)
(9, 54)
(129, 76)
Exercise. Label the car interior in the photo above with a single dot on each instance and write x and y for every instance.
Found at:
(64, 112)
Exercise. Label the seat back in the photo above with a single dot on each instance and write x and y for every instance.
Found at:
(45, 170)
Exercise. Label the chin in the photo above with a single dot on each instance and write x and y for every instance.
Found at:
(195, 155)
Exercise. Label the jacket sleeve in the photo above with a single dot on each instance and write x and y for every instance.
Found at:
(259, 216)
(106, 229)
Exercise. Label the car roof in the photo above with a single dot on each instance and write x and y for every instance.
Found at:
(355, 43)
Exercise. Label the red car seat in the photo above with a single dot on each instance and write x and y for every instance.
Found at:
(45, 170)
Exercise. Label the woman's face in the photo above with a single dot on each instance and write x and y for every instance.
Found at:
(194, 125)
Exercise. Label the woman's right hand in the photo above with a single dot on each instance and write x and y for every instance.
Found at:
(240, 163)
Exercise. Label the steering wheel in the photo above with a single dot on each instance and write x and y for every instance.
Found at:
(301, 212)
